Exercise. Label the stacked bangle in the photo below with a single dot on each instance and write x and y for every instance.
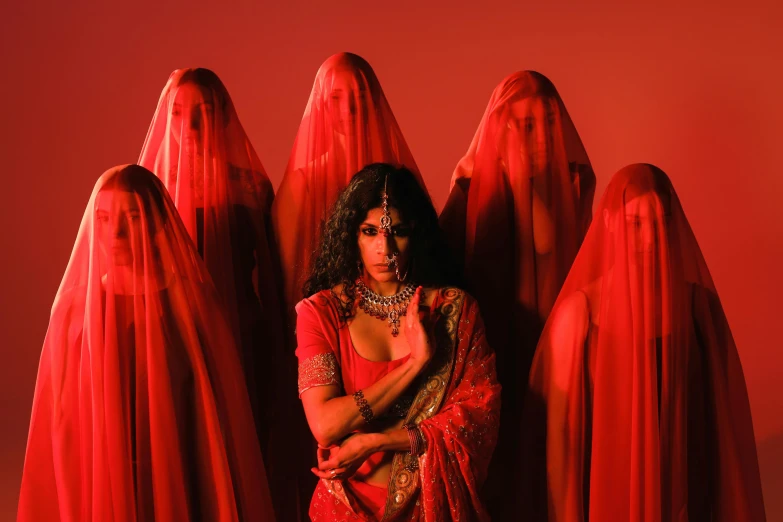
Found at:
(364, 406)
(418, 444)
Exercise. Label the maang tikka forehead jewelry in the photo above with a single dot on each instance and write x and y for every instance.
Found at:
(386, 220)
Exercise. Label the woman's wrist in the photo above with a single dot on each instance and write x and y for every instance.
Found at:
(419, 363)
(394, 440)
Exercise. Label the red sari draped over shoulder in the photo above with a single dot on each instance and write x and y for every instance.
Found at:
(198, 147)
(520, 203)
(140, 412)
(456, 405)
(638, 407)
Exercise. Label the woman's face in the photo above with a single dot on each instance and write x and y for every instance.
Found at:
(119, 226)
(191, 112)
(345, 100)
(375, 247)
(530, 122)
(644, 226)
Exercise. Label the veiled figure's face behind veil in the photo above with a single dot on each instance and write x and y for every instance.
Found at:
(530, 135)
(346, 100)
(118, 222)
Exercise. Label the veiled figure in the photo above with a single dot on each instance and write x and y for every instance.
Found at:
(140, 412)
(638, 407)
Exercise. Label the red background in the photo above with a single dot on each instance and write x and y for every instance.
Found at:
(695, 90)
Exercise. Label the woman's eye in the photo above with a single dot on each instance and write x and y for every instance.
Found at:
(402, 232)
(369, 231)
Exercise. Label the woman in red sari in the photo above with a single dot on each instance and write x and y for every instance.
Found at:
(639, 409)
(139, 411)
(198, 147)
(521, 201)
(397, 380)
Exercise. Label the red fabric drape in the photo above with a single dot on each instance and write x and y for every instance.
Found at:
(139, 410)
(198, 147)
(520, 204)
(638, 407)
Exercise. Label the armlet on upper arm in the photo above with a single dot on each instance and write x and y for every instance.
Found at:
(318, 370)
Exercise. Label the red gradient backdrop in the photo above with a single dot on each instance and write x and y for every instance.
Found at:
(695, 90)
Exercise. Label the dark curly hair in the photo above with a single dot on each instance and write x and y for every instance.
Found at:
(337, 256)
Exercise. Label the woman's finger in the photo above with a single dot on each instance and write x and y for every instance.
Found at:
(328, 474)
(322, 454)
(332, 463)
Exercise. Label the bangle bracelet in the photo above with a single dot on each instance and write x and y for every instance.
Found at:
(418, 444)
(364, 406)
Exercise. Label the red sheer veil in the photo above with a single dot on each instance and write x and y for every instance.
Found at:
(638, 394)
(198, 147)
(139, 382)
(347, 125)
(520, 203)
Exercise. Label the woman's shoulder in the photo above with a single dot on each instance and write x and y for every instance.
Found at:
(572, 310)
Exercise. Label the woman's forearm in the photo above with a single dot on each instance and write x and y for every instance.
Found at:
(339, 416)
(394, 440)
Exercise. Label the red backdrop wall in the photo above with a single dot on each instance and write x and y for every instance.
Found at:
(695, 90)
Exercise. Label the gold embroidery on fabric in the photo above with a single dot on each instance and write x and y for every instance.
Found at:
(404, 479)
(318, 370)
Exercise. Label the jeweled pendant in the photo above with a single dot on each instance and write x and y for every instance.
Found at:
(394, 322)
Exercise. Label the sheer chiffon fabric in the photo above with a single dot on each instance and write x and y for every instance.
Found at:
(140, 412)
(520, 203)
(638, 406)
(198, 147)
(347, 125)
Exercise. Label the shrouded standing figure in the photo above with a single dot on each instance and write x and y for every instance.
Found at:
(520, 204)
(140, 412)
(638, 407)
(198, 147)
